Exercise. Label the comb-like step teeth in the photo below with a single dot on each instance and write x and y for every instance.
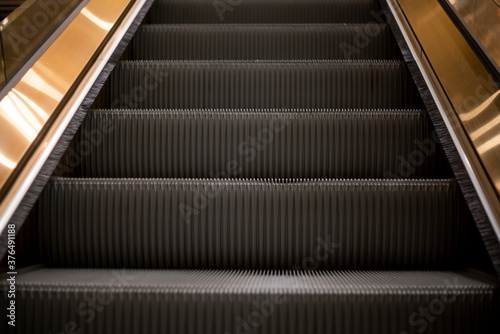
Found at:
(262, 84)
(258, 166)
(230, 41)
(266, 302)
(264, 11)
(166, 223)
(257, 143)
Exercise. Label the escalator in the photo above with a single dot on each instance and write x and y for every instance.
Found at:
(257, 167)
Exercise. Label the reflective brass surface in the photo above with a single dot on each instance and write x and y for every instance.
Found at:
(483, 19)
(25, 111)
(473, 95)
(2, 70)
(28, 26)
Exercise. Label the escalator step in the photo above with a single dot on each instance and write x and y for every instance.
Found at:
(232, 42)
(258, 144)
(262, 84)
(258, 166)
(273, 301)
(193, 224)
(264, 11)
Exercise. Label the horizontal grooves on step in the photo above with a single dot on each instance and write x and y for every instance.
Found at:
(309, 41)
(280, 301)
(167, 223)
(264, 11)
(262, 84)
(257, 143)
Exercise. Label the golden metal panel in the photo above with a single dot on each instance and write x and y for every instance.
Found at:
(36, 99)
(474, 97)
(483, 20)
(28, 26)
(2, 69)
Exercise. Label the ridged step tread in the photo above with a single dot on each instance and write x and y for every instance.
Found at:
(350, 302)
(264, 11)
(261, 84)
(256, 144)
(250, 41)
(194, 224)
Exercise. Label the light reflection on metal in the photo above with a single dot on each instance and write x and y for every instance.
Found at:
(6, 162)
(10, 111)
(489, 145)
(466, 94)
(41, 85)
(100, 23)
(29, 105)
(28, 27)
(469, 115)
(70, 65)
(482, 18)
(39, 111)
(25, 112)
(487, 127)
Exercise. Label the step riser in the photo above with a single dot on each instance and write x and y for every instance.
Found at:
(278, 177)
(250, 224)
(197, 85)
(265, 11)
(197, 42)
(206, 313)
(256, 144)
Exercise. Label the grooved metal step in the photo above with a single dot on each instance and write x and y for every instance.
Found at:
(167, 223)
(344, 302)
(262, 84)
(251, 41)
(258, 166)
(256, 143)
(264, 11)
